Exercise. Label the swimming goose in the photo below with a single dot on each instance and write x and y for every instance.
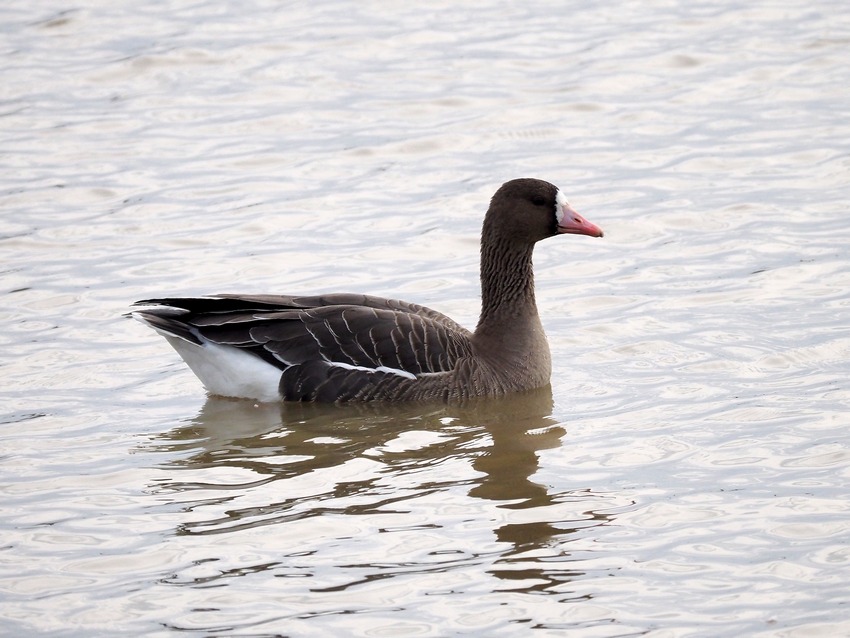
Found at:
(352, 347)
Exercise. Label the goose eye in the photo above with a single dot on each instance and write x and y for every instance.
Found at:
(538, 200)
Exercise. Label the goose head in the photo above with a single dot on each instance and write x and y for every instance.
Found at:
(527, 210)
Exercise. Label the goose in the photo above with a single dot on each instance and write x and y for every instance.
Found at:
(352, 347)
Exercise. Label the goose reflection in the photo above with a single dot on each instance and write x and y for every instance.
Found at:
(500, 437)
(247, 463)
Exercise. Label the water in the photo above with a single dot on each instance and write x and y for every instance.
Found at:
(687, 473)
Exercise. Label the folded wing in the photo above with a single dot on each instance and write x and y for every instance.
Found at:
(329, 347)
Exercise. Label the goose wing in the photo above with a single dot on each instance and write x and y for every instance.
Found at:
(330, 347)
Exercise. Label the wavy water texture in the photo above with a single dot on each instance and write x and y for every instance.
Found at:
(687, 473)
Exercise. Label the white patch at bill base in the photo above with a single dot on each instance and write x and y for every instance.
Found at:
(561, 204)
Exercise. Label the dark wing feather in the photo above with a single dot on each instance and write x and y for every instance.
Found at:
(170, 322)
(224, 303)
(341, 299)
(363, 336)
(307, 336)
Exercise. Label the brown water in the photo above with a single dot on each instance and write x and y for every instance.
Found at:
(687, 474)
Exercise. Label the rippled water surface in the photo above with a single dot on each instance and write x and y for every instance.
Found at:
(687, 474)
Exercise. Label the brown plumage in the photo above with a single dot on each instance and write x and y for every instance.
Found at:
(349, 347)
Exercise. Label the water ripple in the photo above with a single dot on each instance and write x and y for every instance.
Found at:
(694, 445)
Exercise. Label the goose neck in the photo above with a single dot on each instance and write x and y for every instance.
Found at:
(507, 285)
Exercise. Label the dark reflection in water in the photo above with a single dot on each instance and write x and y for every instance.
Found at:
(499, 439)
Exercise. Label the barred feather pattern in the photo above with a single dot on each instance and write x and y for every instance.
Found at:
(338, 347)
